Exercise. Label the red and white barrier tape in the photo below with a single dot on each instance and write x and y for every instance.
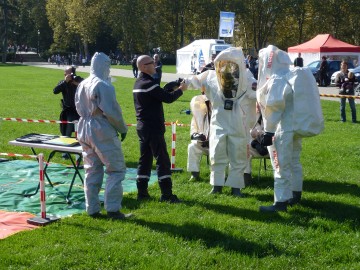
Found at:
(340, 96)
(37, 120)
(72, 122)
(17, 155)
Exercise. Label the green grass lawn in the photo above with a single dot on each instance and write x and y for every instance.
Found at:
(204, 232)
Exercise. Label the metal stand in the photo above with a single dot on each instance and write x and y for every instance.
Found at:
(39, 221)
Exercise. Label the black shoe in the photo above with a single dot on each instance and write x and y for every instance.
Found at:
(194, 176)
(143, 195)
(247, 179)
(96, 215)
(118, 215)
(170, 198)
(216, 190)
(276, 207)
(237, 193)
(295, 199)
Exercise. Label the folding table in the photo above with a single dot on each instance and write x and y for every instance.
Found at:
(55, 149)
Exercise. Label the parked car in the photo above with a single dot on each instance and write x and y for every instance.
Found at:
(333, 65)
(356, 72)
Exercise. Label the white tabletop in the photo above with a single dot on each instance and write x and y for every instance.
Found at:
(60, 148)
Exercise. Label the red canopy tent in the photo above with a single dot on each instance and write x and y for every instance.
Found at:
(325, 45)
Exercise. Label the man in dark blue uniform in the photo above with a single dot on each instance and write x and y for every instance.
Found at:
(148, 99)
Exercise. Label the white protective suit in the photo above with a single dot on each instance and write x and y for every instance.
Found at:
(200, 123)
(100, 122)
(228, 128)
(286, 108)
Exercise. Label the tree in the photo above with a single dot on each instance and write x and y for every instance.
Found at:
(138, 26)
(58, 18)
(260, 19)
(8, 18)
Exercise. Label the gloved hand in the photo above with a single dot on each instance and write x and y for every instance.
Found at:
(267, 139)
(198, 137)
(123, 136)
(171, 86)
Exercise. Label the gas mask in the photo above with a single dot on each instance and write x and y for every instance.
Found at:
(228, 77)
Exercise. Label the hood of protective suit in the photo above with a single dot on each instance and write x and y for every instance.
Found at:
(100, 66)
(231, 72)
(272, 61)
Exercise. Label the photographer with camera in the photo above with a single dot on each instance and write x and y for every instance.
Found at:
(67, 88)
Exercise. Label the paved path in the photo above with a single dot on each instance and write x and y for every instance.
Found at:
(166, 77)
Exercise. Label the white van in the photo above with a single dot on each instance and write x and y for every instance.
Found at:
(193, 57)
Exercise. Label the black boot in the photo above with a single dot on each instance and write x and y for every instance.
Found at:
(143, 195)
(118, 215)
(142, 186)
(194, 176)
(166, 191)
(247, 179)
(237, 193)
(276, 207)
(170, 198)
(216, 190)
(295, 199)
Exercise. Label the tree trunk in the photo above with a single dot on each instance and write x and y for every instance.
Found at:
(4, 47)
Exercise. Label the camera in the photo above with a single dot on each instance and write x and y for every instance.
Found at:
(75, 78)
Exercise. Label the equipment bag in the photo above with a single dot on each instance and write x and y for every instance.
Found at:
(308, 118)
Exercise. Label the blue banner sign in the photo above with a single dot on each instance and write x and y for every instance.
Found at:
(226, 25)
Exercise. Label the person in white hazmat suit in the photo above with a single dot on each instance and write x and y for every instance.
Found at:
(100, 122)
(290, 106)
(199, 134)
(226, 88)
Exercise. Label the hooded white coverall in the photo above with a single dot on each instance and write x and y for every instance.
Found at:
(277, 101)
(228, 131)
(100, 122)
(199, 124)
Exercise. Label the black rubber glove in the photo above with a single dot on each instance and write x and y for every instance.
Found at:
(267, 139)
(198, 137)
(171, 86)
(123, 136)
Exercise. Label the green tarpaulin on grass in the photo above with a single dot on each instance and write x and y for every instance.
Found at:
(19, 177)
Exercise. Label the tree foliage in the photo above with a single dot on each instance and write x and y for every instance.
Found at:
(139, 26)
